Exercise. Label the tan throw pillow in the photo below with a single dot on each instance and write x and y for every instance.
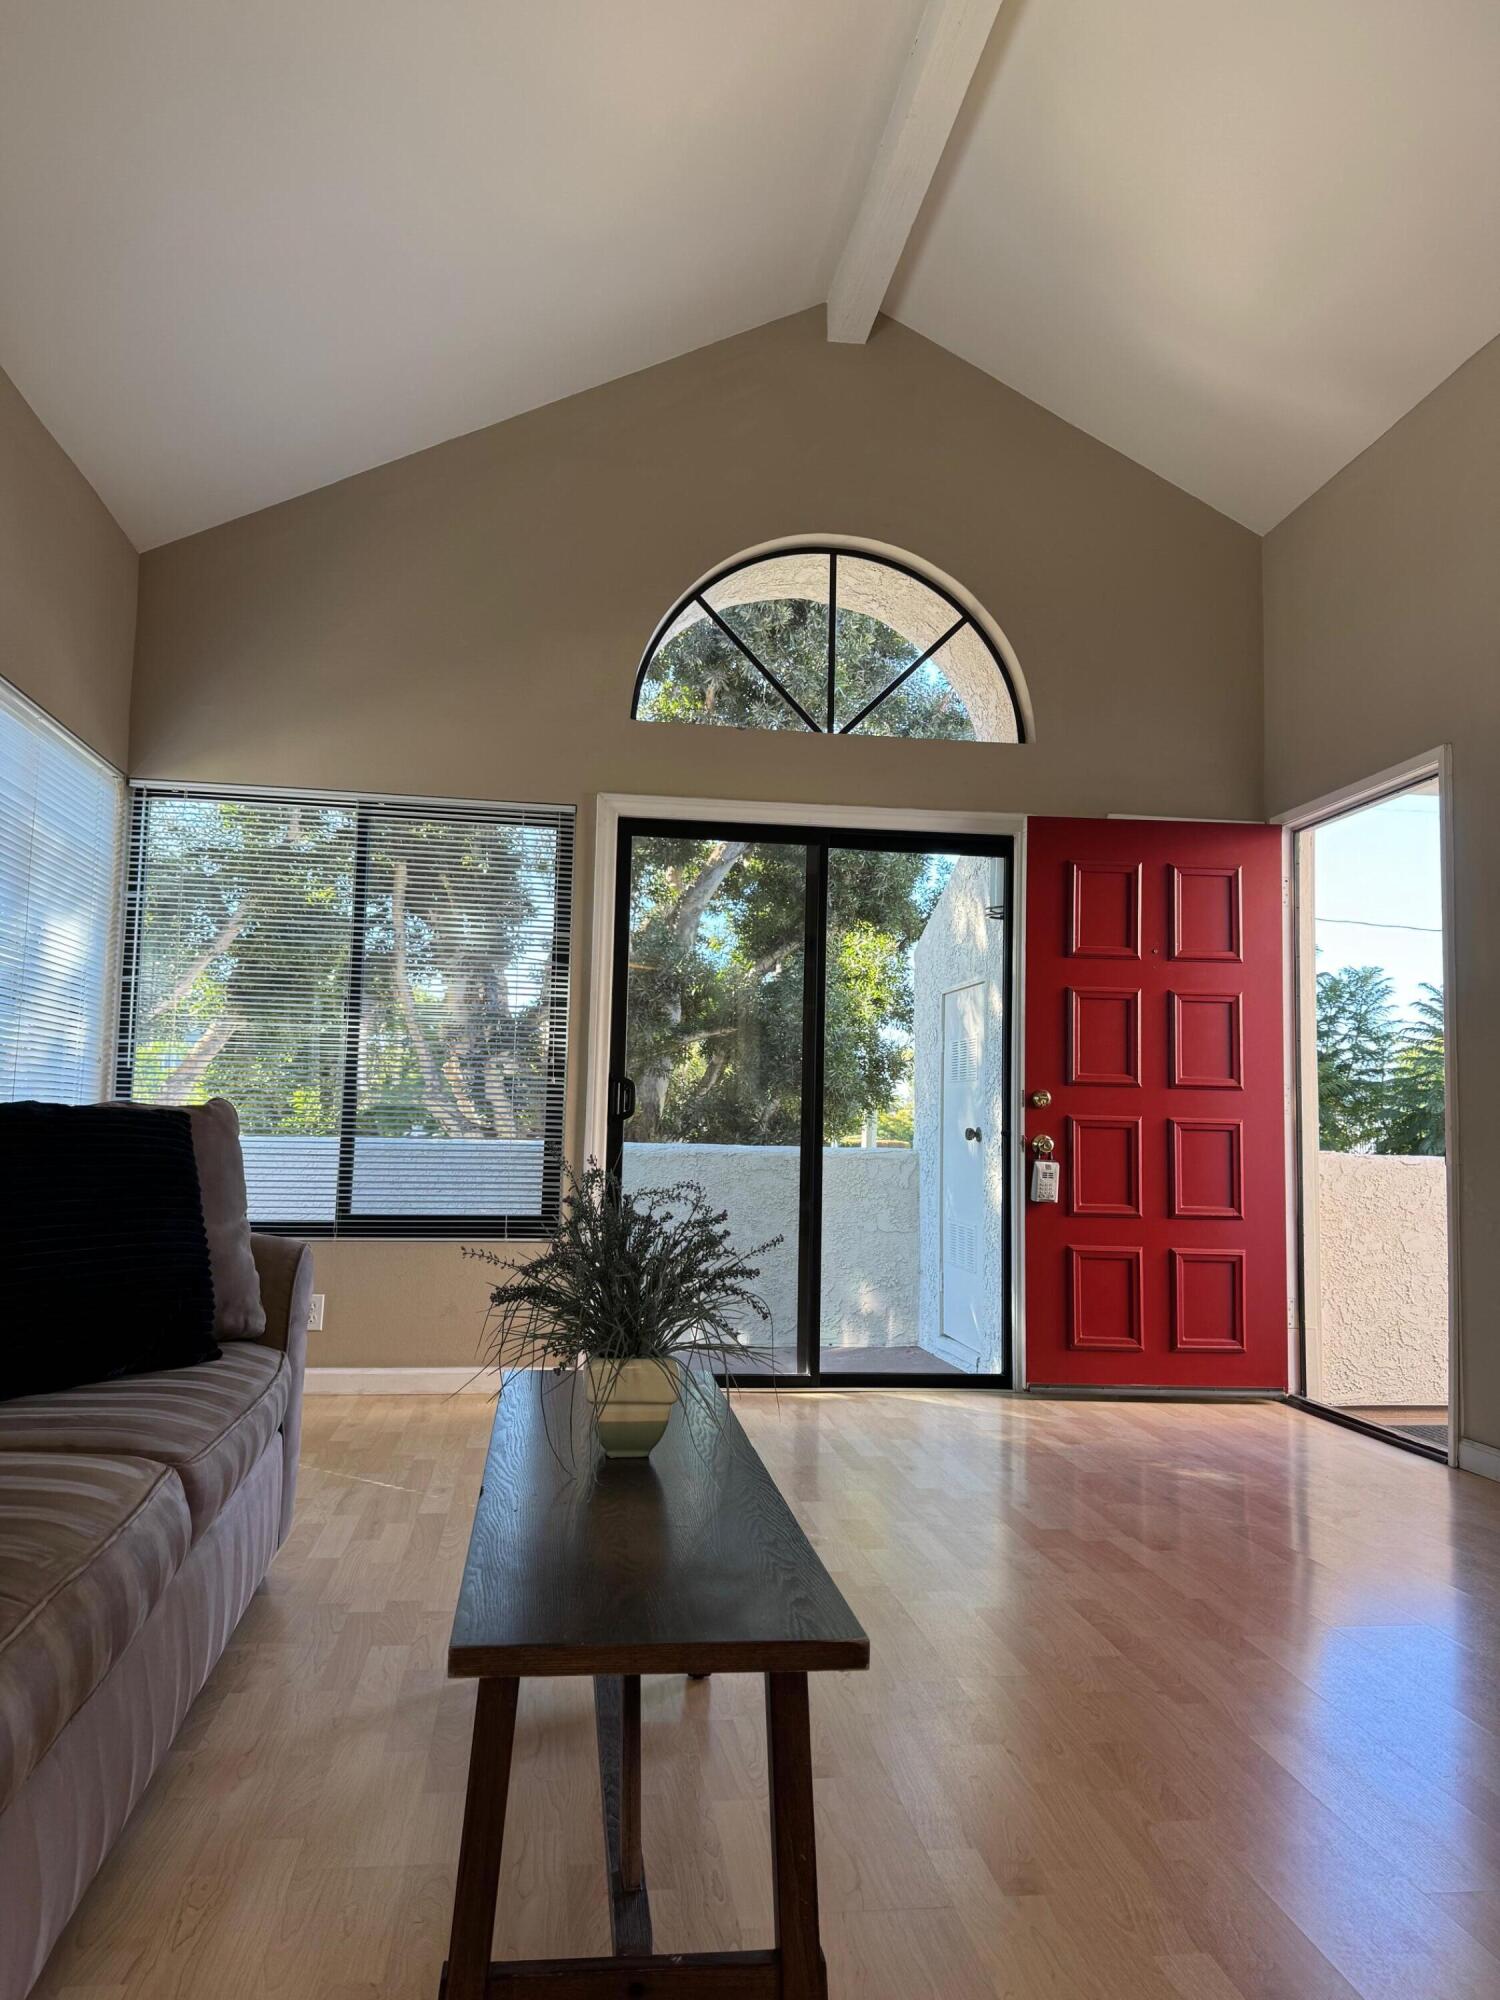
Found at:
(238, 1312)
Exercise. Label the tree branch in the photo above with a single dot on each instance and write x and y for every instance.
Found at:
(652, 1085)
(200, 964)
(184, 1080)
(435, 1094)
(768, 962)
(701, 892)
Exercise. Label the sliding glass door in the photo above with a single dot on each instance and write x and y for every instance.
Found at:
(813, 1028)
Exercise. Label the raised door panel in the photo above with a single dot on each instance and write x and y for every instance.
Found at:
(1208, 1168)
(1207, 913)
(1208, 1301)
(1207, 1041)
(1104, 1036)
(1106, 903)
(1104, 1165)
(1106, 1309)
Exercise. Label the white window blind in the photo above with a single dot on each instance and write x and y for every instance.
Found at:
(61, 812)
(379, 986)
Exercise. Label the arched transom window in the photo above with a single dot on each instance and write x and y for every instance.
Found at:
(836, 640)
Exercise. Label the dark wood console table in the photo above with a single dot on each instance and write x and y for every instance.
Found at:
(688, 1563)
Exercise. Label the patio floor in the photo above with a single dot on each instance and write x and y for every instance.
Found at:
(1425, 1425)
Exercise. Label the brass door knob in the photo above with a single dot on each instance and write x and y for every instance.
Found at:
(1042, 1145)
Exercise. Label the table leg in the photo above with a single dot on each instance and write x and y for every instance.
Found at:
(478, 1882)
(617, 1712)
(631, 1866)
(794, 1855)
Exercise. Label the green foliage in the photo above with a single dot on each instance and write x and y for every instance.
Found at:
(715, 1044)
(1417, 1113)
(1356, 1042)
(702, 675)
(247, 929)
(649, 1276)
(1380, 1079)
(896, 1125)
(870, 989)
(716, 990)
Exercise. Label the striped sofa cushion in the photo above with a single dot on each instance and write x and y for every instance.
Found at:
(88, 1544)
(210, 1423)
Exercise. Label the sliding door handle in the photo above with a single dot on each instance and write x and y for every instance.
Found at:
(622, 1097)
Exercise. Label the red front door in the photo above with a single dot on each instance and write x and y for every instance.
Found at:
(1154, 1018)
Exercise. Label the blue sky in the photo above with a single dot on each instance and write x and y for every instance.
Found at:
(1378, 892)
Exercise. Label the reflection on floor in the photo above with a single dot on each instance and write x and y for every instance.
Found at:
(892, 1361)
(1165, 1702)
(885, 1361)
(1427, 1425)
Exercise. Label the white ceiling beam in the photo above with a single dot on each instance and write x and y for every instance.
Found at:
(939, 70)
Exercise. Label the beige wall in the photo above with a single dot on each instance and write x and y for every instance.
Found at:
(1382, 627)
(468, 622)
(67, 585)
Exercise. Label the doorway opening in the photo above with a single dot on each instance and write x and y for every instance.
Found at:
(813, 1025)
(1373, 1094)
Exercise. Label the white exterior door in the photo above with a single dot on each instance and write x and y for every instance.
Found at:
(963, 1303)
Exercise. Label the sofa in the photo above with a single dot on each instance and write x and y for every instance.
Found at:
(137, 1518)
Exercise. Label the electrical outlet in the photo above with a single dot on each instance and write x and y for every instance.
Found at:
(315, 1314)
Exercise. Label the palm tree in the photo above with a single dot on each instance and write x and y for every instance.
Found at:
(1356, 1043)
(1415, 1110)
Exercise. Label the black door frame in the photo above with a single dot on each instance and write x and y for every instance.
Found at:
(818, 842)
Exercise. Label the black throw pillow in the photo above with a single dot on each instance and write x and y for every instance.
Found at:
(104, 1266)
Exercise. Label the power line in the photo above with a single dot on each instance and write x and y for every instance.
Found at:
(1370, 924)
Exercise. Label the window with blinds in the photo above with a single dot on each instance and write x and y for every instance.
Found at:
(379, 986)
(61, 813)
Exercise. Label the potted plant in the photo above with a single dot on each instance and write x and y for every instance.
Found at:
(638, 1294)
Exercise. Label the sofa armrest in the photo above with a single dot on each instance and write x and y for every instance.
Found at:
(285, 1267)
(286, 1281)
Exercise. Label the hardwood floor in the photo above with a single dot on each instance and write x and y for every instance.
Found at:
(1168, 1702)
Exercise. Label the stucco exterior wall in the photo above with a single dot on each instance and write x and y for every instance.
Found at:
(869, 1294)
(961, 946)
(1383, 1280)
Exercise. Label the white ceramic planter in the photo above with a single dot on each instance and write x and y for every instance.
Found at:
(632, 1402)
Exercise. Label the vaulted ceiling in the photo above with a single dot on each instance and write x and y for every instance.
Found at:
(1235, 241)
(249, 249)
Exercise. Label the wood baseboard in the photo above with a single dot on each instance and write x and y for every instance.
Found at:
(400, 1381)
